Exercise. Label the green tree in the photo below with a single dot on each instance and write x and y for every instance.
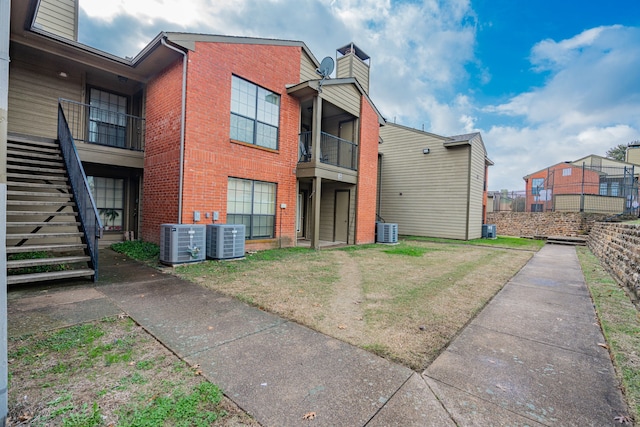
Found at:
(618, 152)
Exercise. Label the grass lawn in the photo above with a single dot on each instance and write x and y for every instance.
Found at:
(620, 321)
(109, 373)
(404, 302)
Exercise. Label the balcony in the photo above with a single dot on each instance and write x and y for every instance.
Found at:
(104, 127)
(333, 150)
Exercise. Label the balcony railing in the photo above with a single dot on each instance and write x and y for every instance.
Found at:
(104, 127)
(333, 150)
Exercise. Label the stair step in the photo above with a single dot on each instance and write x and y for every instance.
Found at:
(35, 150)
(42, 224)
(46, 248)
(41, 213)
(47, 261)
(18, 175)
(37, 203)
(41, 277)
(30, 161)
(21, 236)
(38, 194)
(56, 171)
(38, 185)
(567, 240)
(34, 140)
(49, 154)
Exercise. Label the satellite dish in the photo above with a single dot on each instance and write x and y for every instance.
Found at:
(326, 67)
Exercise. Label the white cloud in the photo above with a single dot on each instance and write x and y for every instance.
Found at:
(588, 104)
(420, 51)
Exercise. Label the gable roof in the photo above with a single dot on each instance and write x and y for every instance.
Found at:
(314, 86)
(188, 41)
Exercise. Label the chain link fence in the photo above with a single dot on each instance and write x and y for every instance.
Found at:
(570, 188)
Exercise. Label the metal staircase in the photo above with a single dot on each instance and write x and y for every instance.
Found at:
(45, 238)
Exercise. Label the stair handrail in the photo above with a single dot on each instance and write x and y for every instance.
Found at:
(87, 210)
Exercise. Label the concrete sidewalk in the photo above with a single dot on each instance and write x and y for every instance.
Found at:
(530, 358)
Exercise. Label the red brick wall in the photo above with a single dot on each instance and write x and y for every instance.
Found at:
(367, 174)
(162, 152)
(559, 184)
(211, 157)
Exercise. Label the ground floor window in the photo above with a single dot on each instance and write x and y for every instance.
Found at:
(537, 207)
(108, 194)
(252, 203)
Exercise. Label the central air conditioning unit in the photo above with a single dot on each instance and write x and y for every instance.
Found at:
(225, 241)
(386, 233)
(182, 243)
(489, 231)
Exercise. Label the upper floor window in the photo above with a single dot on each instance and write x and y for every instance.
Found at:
(537, 184)
(107, 118)
(566, 172)
(255, 114)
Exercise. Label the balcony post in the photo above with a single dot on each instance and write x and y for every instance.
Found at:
(316, 193)
(316, 130)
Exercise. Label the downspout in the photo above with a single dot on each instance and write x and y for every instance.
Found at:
(468, 219)
(182, 122)
(5, 14)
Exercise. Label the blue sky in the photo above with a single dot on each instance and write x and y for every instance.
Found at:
(543, 81)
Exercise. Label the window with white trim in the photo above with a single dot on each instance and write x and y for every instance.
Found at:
(255, 114)
(107, 118)
(252, 203)
(108, 194)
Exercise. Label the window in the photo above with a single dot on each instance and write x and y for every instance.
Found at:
(603, 188)
(615, 187)
(107, 118)
(255, 114)
(108, 193)
(252, 203)
(537, 184)
(566, 172)
(537, 207)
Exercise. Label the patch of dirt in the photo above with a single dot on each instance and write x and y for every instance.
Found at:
(405, 308)
(344, 310)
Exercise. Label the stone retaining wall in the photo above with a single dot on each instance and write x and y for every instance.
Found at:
(618, 248)
(543, 224)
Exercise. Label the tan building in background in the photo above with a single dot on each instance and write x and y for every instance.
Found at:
(432, 185)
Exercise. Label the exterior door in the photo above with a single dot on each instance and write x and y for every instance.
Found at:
(341, 223)
(300, 214)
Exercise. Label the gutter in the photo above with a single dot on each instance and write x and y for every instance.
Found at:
(182, 121)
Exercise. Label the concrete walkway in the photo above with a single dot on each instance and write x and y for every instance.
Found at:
(530, 358)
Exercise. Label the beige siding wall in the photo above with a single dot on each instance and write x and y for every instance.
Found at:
(58, 17)
(598, 161)
(476, 188)
(307, 68)
(591, 204)
(346, 97)
(352, 66)
(633, 155)
(33, 97)
(327, 210)
(425, 194)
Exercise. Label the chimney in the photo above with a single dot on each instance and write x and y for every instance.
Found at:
(351, 61)
(59, 17)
